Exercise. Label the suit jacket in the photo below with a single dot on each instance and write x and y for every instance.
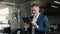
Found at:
(42, 22)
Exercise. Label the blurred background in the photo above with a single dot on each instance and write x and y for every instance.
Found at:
(12, 11)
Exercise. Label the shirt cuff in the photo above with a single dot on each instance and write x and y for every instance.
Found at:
(37, 27)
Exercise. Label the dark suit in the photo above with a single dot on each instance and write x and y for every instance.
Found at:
(42, 22)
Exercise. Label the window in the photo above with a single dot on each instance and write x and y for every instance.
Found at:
(3, 13)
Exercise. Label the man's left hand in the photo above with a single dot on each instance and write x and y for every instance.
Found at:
(34, 24)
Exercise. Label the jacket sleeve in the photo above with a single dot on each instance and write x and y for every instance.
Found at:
(45, 27)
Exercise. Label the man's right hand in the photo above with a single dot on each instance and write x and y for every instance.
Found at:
(26, 26)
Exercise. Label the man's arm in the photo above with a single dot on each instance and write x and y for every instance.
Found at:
(45, 27)
(45, 24)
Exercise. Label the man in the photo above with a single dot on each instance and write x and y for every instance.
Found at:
(39, 23)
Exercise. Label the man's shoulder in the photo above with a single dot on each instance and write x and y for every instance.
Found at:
(44, 16)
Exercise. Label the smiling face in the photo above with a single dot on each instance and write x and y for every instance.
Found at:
(35, 10)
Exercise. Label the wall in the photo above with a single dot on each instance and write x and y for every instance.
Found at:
(54, 20)
(57, 19)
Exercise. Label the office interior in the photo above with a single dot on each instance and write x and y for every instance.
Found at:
(12, 11)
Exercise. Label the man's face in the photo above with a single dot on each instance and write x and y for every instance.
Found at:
(35, 9)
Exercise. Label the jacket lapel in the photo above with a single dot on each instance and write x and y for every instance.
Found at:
(39, 19)
(31, 18)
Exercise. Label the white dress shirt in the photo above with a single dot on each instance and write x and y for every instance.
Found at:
(34, 20)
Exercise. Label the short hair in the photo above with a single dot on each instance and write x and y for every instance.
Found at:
(35, 4)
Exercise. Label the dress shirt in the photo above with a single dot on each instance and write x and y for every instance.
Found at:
(35, 18)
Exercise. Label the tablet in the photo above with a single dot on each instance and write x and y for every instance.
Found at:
(26, 19)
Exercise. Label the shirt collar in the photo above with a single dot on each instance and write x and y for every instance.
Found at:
(37, 15)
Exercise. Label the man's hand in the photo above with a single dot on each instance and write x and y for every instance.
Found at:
(26, 26)
(34, 24)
